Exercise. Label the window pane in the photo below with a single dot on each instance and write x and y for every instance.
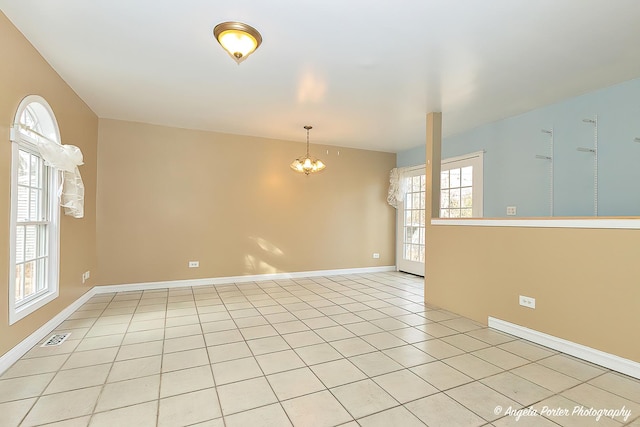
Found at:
(407, 251)
(444, 213)
(422, 236)
(455, 178)
(23, 204)
(19, 281)
(444, 199)
(416, 200)
(34, 206)
(30, 278)
(415, 183)
(407, 201)
(23, 167)
(30, 242)
(467, 176)
(35, 171)
(454, 198)
(444, 179)
(415, 217)
(466, 194)
(20, 243)
(466, 213)
(423, 183)
(454, 213)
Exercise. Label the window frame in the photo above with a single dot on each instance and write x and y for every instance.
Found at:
(22, 142)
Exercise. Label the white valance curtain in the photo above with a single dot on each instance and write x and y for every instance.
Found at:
(66, 158)
(397, 186)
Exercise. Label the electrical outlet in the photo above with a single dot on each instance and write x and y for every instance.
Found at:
(511, 210)
(85, 276)
(194, 264)
(527, 302)
(376, 255)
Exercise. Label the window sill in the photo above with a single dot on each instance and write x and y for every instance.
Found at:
(573, 222)
(26, 309)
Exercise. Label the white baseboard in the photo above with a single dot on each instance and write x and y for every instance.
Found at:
(611, 361)
(237, 279)
(13, 355)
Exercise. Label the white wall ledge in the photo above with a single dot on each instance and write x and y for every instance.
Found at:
(604, 223)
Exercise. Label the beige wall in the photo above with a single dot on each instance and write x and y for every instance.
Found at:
(586, 282)
(24, 72)
(167, 196)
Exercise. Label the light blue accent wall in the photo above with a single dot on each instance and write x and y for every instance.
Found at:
(513, 176)
(412, 157)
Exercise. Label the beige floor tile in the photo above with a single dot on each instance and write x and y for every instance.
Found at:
(389, 324)
(236, 370)
(114, 320)
(376, 363)
(436, 330)
(90, 358)
(183, 331)
(482, 400)
(248, 322)
(290, 327)
(405, 386)
(243, 395)
(189, 408)
(135, 368)
(318, 353)
(408, 356)
(363, 398)
(184, 359)
(398, 416)
(35, 366)
(465, 342)
(501, 358)
(383, 340)
(337, 372)
(142, 415)
(517, 388)
(60, 406)
(524, 421)
(413, 319)
(411, 335)
(267, 345)
(317, 322)
(527, 350)
(24, 387)
(561, 411)
(573, 367)
(258, 332)
(363, 328)
(185, 381)
(353, 347)
(303, 338)
(144, 349)
(334, 333)
(619, 384)
(594, 397)
(472, 366)
(280, 361)
(223, 337)
(143, 336)
(11, 413)
(183, 343)
(320, 409)
(224, 352)
(129, 392)
(66, 347)
(546, 377)
(222, 325)
(266, 416)
(491, 336)
(77, 378)
(439, 315)
(298, 382)
(98, 331)
(438, 349)
(182, 320)
(99, 342)
(440, 410)
(440, 375)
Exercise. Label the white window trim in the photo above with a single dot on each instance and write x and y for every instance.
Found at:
(17, 140)
(475, 159)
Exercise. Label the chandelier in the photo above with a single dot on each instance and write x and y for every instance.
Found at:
(307, 164)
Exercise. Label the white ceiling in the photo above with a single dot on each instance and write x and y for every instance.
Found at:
(363, 73)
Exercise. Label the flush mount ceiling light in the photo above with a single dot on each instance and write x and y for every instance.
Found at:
(307, 164)
(238, 39)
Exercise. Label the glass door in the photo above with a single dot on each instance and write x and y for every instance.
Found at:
(411, 223)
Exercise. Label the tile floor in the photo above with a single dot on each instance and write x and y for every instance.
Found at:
(326, 351)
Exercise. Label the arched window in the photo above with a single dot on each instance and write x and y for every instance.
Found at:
(35, 230)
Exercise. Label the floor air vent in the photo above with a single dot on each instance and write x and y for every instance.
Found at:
(56, 340)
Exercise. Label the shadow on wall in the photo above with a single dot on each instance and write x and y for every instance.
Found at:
(265, 259)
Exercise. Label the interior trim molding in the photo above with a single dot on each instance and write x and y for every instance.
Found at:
(606, 223)
(607, 360)
(13, 355)
(238, 279)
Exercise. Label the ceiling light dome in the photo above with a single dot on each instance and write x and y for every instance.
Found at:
(238, 39)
